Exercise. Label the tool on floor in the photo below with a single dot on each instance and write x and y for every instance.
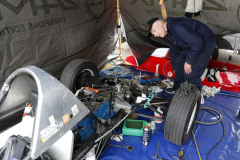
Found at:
(129, 148)
(181, 155)
(156, 153)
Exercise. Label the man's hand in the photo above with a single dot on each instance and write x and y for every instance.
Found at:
(187, 68)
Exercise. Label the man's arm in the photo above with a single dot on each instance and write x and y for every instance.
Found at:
(174, 52)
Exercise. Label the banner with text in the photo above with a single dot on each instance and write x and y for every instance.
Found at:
(50, 33)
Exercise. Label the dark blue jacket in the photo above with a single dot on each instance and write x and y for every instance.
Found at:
(187, 33)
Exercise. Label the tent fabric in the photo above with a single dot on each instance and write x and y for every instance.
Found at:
(49, 34)
(206, 136)
(221, 16)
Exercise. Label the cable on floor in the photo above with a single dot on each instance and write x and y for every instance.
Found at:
(228, 94)
(219, 117)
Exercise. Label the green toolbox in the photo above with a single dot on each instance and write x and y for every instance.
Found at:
(133, 127)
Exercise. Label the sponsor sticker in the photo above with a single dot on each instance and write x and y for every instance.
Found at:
(65, 118)
(74, 110)
(52, 120)
(48, 132)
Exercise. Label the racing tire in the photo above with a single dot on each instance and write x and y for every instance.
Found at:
(79, 73)
(223, 44)
(215, 53)
(182, 113)
(220, 44)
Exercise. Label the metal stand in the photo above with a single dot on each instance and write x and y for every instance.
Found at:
(129, 148)
(100, 149)
(103, 146)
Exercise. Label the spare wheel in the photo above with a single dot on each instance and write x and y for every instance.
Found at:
(182, 113)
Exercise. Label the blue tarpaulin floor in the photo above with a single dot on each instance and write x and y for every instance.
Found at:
(206, 136)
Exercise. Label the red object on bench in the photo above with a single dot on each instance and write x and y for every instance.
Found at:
(230, 79)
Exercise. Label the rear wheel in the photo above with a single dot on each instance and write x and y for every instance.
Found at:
(223, 44)
(220, 44)
(79, 73)
(182, 114)
(215, 53)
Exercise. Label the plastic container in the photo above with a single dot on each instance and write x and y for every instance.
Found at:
(133, 127)
(152, 126)
(145, 140)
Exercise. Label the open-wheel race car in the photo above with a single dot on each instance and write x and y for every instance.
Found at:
(82, 111)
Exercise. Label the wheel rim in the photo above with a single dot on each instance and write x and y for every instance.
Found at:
(192, 118)
(84, 79)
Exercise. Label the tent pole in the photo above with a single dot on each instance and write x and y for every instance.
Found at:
(119, 30)
(163, 10)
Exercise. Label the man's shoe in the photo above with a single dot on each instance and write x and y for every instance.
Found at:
(188, 14)
(171, 90)
(197, 14)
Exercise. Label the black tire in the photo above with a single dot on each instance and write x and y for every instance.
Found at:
(220, 44)
(79, 73)
(182, 109)
(215, 53)
(223, 44)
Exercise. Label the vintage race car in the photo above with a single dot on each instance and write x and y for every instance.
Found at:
(83, 110)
